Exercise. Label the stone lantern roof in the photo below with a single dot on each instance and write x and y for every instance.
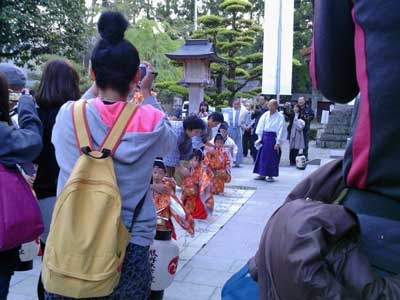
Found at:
(196, 49)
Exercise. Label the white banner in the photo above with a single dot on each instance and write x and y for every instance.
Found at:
(271, 46)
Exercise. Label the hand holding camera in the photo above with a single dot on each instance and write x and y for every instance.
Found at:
(147, 77)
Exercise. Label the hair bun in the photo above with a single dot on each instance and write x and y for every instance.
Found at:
(112, 26)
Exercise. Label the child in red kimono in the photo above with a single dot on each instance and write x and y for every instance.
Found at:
(197, 188)
(219, 164)
(167, 204)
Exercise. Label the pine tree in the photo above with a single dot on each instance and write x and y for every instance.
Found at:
(301, 39)
(233, 35)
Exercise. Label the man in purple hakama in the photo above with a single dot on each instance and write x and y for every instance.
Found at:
(271, 131)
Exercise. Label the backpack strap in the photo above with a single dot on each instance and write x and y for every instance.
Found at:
(81, 127)
(137, 211)
(116, 133)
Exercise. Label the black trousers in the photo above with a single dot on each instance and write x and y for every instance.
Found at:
(253, 150)
(306, 134)
(247, 143)
(292, 156)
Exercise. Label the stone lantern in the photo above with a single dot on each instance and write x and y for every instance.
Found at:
(196, 56)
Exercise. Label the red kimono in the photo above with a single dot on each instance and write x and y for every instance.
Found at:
(219, 164)
(168, 205)
(197, 193)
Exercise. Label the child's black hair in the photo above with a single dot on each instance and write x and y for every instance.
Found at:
(219, 137)
(159, 164)
(115, 61)
(193, 122)
(223, 126)
(196, 153)
(217, 117)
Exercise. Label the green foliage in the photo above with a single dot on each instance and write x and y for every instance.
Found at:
(256, 28)
(250, 94)
(247, 39)
(313, 134)
(254, 58)
(211, 21)
(172, 87)
(234, 37)
(164, 84)
(256, 70)
(227, 46)
(31, 28)
(301, 77)
(243, 5)
(232, 82)
(301, 39)
(257, 12)
(229, 33)
(242, 73)
(180, 90)
(152, 42)
(179, 28)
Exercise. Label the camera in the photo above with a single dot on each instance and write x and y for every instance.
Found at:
(143, 71)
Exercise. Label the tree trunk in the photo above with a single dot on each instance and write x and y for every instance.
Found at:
(218, 82)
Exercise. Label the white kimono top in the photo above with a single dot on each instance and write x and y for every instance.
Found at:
(273, 123)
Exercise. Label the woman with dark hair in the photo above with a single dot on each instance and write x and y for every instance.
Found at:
(18, 146)
(203, 109)
(148, 134)
(59, 83)
(296, 135)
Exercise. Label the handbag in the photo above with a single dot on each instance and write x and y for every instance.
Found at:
(19, 211)
(240, 286)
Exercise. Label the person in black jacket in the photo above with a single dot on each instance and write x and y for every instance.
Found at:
(59, 83)
(308, 115)
(18, 146)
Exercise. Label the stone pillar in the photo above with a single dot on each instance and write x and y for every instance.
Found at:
(196, 96)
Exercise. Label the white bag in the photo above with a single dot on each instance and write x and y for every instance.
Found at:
(29, 251)
(301, 162)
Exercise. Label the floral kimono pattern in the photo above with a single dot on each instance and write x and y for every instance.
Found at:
(168, 205)
(138, 97)
(197, 195)
(219, 164)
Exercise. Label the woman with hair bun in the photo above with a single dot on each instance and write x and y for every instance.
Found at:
(115, 68)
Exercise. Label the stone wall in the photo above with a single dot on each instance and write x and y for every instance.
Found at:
(338, 129)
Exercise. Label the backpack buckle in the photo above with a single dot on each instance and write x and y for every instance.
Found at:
(96, 154)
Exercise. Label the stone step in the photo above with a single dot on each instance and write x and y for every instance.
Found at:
(337, 129)
(337, 153)
(333, 137)
(331, 145)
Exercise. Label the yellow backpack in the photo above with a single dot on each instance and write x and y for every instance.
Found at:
(87, 242)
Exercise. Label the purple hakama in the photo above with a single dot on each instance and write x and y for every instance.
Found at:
(267, 162)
